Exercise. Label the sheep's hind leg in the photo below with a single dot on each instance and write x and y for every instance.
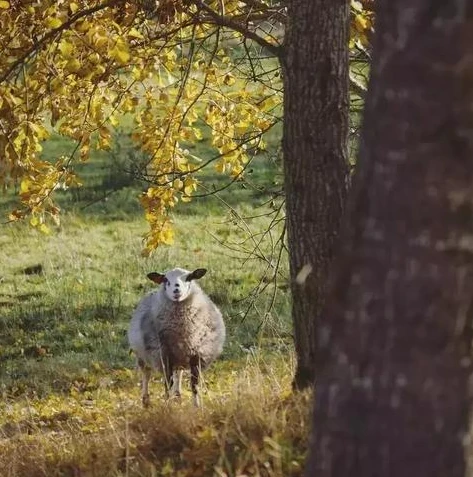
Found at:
(145, 377)
(195, 373)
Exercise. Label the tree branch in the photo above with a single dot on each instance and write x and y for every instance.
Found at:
(357, 87)
(225, 21)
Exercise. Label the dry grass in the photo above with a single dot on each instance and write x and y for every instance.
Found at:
(250, 424)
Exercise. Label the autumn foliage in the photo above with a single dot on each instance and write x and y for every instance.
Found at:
(174, 70)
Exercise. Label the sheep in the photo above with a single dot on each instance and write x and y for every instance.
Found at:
(176, 327)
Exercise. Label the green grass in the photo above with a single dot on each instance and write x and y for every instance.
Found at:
(93, 275)
(70, 395)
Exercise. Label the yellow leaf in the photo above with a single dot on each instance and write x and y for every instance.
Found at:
(220, 166)
(114, 120)
(190, 185)
(134, 33)
(66, 49)
(84, 152)
(120, 53)
(242, 126)
(4, 5)
(356, 5)
(128, 104)
(197, 134)
(44, 229)
(361, 23)
(34, 221)
(73, 65)
(177, 184)
(25, 185)
(100, 41)
(236, 170)
(166, 236)
(82, 26)
(40, 131)
(104, 139)
(52, 22)
(138, 73)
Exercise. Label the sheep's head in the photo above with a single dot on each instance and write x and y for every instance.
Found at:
(177, 283)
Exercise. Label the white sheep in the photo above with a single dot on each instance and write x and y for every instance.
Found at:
(176, 327)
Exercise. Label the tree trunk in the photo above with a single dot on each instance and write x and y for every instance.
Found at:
(394, 364)
(315, 70)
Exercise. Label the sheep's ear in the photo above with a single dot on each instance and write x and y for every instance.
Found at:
(199, 273)
(156, 277)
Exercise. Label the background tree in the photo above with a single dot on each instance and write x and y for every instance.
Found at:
(394, 361)
(315, 67)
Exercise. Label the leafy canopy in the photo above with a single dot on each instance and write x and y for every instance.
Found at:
(173, 69)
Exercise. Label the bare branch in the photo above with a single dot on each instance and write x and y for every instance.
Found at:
(357, 87)
(231, 23)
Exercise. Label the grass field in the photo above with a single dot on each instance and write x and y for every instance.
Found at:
(70, 395)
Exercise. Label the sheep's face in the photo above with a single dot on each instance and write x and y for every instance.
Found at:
(177, 283)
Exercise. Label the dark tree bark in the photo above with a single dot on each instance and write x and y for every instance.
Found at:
(393, 389)
(315, 70)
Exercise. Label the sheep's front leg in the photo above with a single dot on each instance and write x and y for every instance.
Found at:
(195, 374)
(168, 378)
(176, 383)
(145, 377)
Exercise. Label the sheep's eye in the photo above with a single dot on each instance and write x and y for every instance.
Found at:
(166, 282)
